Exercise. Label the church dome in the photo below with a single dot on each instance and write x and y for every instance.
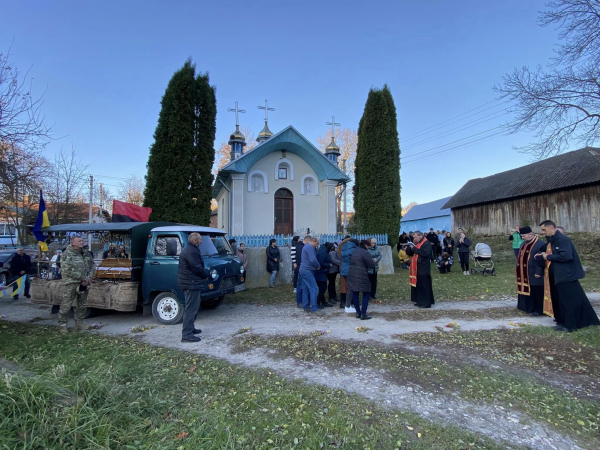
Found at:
(332, 147)
(265, 132)
(237, 135)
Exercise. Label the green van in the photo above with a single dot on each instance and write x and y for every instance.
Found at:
(147, 278)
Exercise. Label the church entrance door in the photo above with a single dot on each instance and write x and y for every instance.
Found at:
(284, 212)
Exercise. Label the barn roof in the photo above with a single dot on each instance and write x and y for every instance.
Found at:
(427, 210)
(559, 172)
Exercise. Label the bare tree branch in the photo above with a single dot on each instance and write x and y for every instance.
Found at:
(561, 105)
(21, 121)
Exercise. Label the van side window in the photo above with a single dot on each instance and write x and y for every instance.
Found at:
(163, 242)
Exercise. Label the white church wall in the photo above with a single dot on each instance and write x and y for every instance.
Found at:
(310, 208)
(223, 210)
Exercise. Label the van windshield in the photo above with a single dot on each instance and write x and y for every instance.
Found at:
(214, 245)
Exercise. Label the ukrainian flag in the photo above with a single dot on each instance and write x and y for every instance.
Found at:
(41, 222)
(20, 282)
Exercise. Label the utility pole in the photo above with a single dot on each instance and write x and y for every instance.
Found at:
(101, 201)
(345, 192)
(91, 203)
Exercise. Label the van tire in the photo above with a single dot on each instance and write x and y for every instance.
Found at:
(167, 309)
(212, 303)
(89, 313)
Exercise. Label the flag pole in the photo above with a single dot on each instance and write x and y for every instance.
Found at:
(39, 258)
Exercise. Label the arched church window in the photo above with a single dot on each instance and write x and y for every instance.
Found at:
(283, 193)
(284, 170)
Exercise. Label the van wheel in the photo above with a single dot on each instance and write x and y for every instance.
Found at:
(89, 313)
(166, 309)
(212, 303)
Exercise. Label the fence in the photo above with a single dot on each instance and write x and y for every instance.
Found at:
(282, 240)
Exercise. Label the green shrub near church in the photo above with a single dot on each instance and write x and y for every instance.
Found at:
(377, 173)
(179, 179)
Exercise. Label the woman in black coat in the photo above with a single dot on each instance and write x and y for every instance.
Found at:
(448, 244)
(361, 264)
(463, 252)
(272, 261)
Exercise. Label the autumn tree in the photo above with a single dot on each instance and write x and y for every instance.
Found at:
(347, 140)
(64, 187)
(408, 207)
(132, 190)
(179, 179)
(22, 174)
(560, 104)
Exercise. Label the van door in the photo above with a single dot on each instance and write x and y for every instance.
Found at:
(161, 264)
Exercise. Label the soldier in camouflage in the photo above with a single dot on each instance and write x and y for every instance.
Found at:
(77, 271)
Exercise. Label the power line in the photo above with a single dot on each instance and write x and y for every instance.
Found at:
(452, 121)
(466, 144)
(109, 177)
(454, 142)
(456, 130)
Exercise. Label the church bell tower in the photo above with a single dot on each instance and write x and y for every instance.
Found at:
(237, 140)
(332, 152)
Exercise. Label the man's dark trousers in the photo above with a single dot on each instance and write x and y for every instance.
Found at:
(192, 305)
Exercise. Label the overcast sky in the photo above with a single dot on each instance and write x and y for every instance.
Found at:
(105, 66)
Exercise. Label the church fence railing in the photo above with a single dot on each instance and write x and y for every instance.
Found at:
(283, 240)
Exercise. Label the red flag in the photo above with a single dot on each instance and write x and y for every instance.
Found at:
(126, 212)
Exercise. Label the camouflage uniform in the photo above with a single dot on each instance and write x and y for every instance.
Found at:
(77, 266)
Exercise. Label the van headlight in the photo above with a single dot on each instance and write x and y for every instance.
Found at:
(214, 274)
(242, 270)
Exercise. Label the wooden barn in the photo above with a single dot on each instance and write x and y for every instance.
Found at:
(564, 188)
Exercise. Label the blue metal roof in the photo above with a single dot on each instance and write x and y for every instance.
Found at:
(427, 210)
(290, 140)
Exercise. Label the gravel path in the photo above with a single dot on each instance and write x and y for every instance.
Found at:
(493, 421)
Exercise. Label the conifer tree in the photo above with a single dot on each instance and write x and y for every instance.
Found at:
(179, 179)
(377, 170)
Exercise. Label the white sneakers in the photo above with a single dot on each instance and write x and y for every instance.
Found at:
(294, 290)
(466, 272)
(350, 310)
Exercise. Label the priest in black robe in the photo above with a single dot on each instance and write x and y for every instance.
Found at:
(530, 276)
(421, 290)
(564, 270)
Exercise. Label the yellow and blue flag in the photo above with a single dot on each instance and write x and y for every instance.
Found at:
(20, 282)
(42, 221)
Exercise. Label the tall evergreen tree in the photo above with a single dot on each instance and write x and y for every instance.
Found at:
(377, 170)
(179, 179)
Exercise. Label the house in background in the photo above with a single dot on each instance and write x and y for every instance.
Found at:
(564, 189)
(427, 215)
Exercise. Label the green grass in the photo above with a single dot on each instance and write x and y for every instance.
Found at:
(533, 347)
(133, 396)
(541, 402)
(394, 289)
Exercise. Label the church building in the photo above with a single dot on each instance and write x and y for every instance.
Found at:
(284, 185)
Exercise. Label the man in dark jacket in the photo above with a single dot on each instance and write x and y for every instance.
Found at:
(421, 290)
(272, 261)
(564, 270)
(433, 240)
(190, 278)
(21, 265)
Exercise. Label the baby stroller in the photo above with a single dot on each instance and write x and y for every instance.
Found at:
(482, 257)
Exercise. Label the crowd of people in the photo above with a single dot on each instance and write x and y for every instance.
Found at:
(442, 245)
(316, 267)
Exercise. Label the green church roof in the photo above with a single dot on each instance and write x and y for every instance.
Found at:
(290, 140)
